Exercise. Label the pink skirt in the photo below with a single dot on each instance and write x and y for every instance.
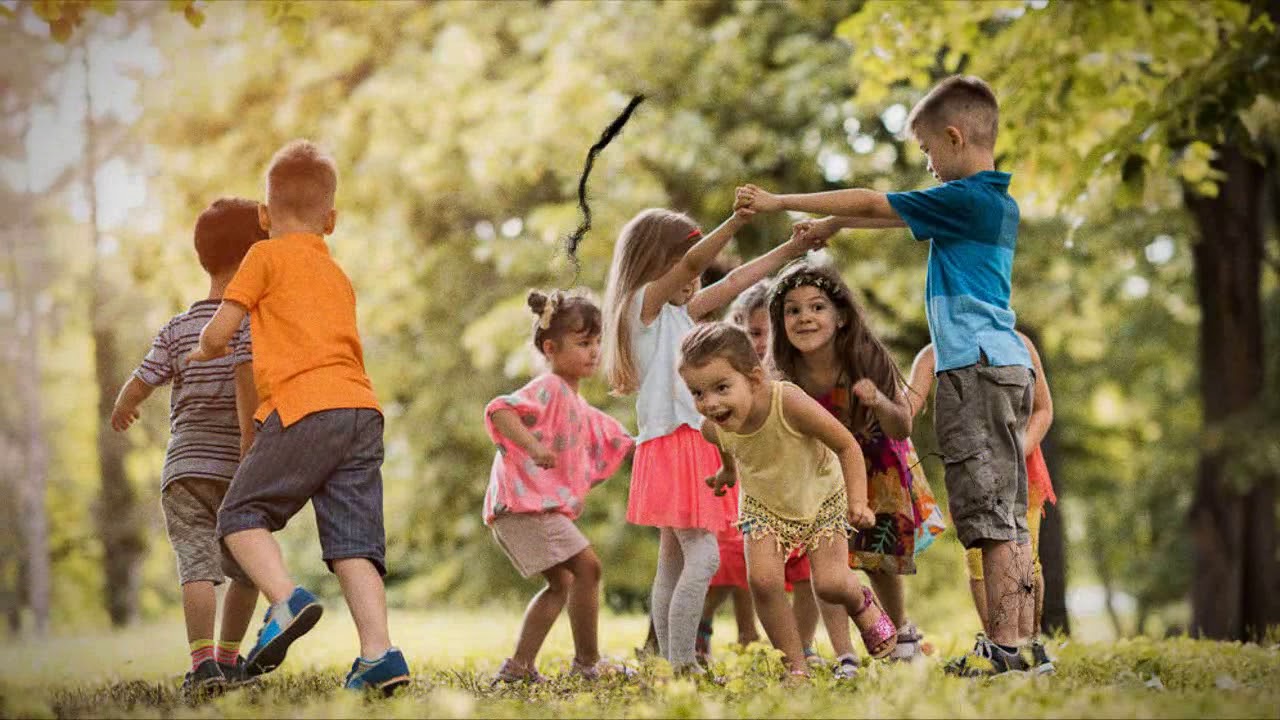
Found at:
(668, 484)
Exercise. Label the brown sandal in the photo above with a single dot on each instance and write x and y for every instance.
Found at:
(880, 636)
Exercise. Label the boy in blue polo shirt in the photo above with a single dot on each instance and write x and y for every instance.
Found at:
(985, 376)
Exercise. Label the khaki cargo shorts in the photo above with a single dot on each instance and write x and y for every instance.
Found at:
(980, 416)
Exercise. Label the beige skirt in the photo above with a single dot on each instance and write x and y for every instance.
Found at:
(538, 541)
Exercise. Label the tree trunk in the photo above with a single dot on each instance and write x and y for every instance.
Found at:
(23, 249)
(1233, 530)
(117, 517)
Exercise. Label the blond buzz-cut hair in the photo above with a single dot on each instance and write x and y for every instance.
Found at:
(302, 181)
(963, 101)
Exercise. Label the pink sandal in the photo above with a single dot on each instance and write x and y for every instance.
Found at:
(880, 637)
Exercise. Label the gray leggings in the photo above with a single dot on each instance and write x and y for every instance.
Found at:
(687, 559)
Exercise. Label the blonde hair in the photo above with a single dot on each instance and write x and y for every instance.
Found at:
(648, 246)
(965, 101)
(302, 181)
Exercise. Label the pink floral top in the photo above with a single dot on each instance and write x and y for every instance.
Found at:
(589, 446)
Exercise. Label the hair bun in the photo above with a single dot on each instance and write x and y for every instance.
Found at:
(537, 302)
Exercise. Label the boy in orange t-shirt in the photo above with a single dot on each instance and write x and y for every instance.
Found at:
(319, 432)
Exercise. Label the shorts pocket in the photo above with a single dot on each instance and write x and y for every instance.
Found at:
(970, 479)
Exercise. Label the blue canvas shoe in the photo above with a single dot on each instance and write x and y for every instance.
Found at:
(386, 674)
(281, 625)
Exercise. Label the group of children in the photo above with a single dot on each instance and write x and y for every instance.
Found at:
(773, 452)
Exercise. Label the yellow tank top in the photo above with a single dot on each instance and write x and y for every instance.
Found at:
(789, 473)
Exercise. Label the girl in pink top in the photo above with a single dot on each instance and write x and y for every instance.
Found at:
(552, 448)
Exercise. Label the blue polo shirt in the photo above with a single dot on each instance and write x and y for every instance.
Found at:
(972, 228)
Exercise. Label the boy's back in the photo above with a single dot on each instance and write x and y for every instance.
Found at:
(204, 433)
(307, 348)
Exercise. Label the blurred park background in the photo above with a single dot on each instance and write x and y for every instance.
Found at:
(1143, 139)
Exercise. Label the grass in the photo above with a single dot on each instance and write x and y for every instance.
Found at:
(134, 674)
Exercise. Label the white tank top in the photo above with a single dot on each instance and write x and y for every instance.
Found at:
(663, 402)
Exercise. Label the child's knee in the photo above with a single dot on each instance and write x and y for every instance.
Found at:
(587, 569)
(558, 580)
(766, 585)
(833, 591)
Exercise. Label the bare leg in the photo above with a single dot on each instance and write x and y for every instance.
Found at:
(1039, 614)
(584, 606)
(744, 612)
(541, 615)
(889, 589)
(1006, 569)
(765, 574)
(836, 619)
(199, 605)
(836, 583)
(367, 601)
(715, 598)
(979, 591)
(258, 553)
(237, 611)
(805, 606)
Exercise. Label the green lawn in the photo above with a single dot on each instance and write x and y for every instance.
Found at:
(135, 674)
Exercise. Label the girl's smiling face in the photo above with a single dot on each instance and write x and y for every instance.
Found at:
(810, 319)
(722, 394)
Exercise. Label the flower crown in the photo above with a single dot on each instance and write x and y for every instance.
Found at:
(802, 279)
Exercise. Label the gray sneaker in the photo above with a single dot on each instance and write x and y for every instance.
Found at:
(987, 659)
(1041, 663)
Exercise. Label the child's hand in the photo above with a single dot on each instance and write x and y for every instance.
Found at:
(543, 457)
(866, 392)
(819, 231)
(802, 241)
(720, 481)
(860, 516)
(750, 196)
(122, 418)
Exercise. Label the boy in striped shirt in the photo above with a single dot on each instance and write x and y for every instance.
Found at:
(210, 428)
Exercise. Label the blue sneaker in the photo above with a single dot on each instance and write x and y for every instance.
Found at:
(386, 674)
(281, 625)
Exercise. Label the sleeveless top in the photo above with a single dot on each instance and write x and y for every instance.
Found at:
(789, 473)
(663, 402)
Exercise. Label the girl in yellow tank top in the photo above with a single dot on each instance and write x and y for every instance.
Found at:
(804, 484)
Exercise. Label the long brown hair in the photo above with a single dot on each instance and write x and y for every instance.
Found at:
(859, 352)
(648, 246)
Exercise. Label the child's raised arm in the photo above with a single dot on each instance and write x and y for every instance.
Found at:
(921, 379)
(853, 203)
(131, 396)
(809, 418)
(821, 229)
(690, 266)
(714, 297)
(1041, 406)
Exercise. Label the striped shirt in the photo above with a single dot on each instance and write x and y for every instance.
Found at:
(204, 432)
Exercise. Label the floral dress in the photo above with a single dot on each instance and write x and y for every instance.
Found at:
(907, 516)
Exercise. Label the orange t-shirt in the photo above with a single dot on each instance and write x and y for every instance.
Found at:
(302, 314)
